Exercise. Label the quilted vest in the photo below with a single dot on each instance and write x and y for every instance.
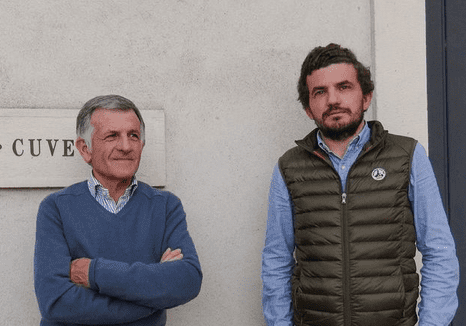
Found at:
(354, 249)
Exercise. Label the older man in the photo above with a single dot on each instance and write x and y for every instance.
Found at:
(112, 250)
(348, 206)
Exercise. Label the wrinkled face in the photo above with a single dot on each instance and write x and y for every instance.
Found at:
(336, 102)
(116, 145)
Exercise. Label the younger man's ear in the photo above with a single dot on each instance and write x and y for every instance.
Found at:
(367, 100)
(83, 150)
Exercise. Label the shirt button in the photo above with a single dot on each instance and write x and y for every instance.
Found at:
(343, 167)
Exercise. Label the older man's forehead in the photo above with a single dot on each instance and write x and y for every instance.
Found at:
(108, 118)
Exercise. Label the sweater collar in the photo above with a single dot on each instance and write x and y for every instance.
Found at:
(95, 186)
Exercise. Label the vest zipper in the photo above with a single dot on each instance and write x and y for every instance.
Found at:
(345, 246)
(346, 265)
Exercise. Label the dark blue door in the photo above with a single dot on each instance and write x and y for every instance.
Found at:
(446, 89)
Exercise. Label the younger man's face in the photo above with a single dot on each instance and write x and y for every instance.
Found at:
(336, 101)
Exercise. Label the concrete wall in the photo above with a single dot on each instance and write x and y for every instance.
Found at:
(399, 42)
(225, 73)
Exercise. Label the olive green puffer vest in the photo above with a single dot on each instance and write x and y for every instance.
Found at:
(354, 249)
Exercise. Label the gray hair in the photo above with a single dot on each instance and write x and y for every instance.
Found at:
(84, 128)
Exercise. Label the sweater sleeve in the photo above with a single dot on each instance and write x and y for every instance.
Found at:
(61, 300)
(156, 285)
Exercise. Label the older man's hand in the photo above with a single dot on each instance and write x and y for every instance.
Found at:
(171, 255)
(79, 271)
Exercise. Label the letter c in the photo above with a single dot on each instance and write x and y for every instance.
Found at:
(14, 147)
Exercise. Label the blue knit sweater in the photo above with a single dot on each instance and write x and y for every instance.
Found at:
(129, 285)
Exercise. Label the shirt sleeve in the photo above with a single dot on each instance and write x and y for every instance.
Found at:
(156, 285)
(277, 256)
(60, 299)
(440, 270)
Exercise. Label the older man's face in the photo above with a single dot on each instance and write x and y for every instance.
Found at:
(116, 145)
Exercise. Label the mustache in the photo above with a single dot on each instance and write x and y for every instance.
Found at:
(335, 108)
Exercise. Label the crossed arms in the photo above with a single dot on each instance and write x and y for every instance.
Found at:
(79, 269)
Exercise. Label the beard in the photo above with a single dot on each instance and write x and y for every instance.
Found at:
(340, 132)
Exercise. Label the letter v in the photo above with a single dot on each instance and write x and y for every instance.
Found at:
(52, 148)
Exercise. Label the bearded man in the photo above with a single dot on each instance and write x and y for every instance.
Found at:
(347, 208)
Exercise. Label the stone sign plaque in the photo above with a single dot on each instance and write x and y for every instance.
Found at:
(37, 148)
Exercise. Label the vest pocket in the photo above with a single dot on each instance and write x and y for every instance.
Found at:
(314, 309)
(297, 315)
(380, 300)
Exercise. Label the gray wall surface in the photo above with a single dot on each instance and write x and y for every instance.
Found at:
(225, 73)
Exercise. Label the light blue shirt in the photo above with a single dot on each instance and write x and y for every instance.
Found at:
(440, 271)
(102, 195)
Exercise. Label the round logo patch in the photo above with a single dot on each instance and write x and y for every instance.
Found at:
(378, 174)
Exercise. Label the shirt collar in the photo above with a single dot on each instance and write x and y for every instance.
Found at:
(95, 184)
(358, 140)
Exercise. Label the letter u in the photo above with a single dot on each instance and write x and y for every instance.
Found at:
(31, 146)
